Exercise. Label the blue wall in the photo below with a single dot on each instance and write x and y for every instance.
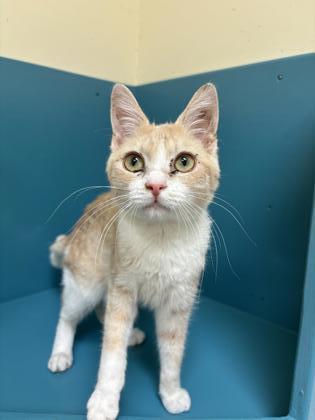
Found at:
(55, 133)
(55, 136)
(266, 136)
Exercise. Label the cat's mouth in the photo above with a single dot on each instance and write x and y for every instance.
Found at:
(156, 205)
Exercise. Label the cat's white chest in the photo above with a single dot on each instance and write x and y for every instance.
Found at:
(163, 265)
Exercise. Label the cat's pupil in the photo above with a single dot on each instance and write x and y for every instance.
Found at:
(184, 160)
(134, 161)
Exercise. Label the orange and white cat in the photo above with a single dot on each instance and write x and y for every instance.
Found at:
(142, 243)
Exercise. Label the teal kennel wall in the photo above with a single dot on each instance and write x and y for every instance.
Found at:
(55, 135)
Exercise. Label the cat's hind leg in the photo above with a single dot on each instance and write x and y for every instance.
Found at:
(76, 302)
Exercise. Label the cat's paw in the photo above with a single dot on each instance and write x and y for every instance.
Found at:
(177, 401)
(136, 337)
(102, 406)
(60, 362)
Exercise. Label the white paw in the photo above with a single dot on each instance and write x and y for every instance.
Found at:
(136, 337)
(177, 401)
(102, 406)
(59, 362)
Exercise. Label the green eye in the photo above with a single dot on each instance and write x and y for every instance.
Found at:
(184, 162)
(133, 162)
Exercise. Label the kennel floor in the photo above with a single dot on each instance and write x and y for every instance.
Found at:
(236, 365)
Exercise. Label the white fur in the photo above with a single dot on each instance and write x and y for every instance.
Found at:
(161, 263)
(76, 303)
(57, 252)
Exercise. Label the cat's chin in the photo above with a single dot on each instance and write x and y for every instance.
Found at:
(157, 212)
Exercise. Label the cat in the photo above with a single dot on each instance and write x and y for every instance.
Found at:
(142, 243)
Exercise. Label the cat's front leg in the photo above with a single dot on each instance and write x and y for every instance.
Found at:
(119, 317)
(171, 330)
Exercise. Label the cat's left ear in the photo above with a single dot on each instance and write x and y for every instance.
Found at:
(201, 115)
(126, 115)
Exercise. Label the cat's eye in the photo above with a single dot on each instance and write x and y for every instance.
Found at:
(134, 162)
(184, 162)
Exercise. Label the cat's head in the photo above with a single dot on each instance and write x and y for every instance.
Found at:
(161, 172)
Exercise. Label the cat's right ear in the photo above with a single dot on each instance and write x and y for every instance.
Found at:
(126, 115)
(201, 115)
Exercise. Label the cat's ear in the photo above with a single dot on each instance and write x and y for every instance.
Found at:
(126, 115)
(201, 115)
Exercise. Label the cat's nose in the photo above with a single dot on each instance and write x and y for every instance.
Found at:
(155, 188)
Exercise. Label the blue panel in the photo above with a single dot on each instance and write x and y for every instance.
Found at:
(236, 365)
(55, 137)
(55, 134)
(303, 401)
(267, 134)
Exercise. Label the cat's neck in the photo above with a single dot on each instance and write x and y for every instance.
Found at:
(167, 229)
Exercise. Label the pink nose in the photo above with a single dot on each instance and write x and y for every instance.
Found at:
(155, 188)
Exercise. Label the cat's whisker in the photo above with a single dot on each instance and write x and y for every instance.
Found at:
(217, 197)
(71, 195)
(216, 254)
(86, 217)
(237, 221)
(80, 190)
(193, 206)
(190, 209)
(113, 218)
(202, 193)
(109, 203)
(177, 216)
(211, 256)
(197, 230)
(197, 212)
(135, 214)
(216, 226)
(193, 227)
(231, 214)
(182, 216)
(232, 207)
(107, 228)
(191, 220)
(131, 209)
(98, 210)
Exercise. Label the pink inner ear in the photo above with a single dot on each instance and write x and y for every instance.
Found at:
(201, 114)
(200, 127)
(126, 123)
(126, 114)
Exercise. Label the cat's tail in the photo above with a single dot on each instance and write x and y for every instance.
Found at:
(57, 251)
